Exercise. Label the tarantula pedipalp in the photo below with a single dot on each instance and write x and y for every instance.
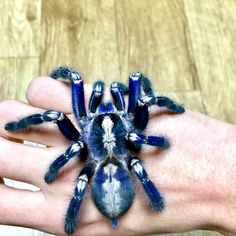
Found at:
(108, 143)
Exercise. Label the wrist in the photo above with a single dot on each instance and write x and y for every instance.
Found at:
(222, 200)
(211, 172)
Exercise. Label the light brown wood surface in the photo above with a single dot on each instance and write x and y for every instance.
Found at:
(187, 47)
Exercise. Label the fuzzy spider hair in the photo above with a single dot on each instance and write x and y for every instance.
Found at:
(108, 143)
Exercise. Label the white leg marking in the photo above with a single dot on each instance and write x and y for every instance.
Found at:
(83, 179)
(135, 163)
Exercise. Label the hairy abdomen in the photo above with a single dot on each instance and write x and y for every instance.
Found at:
(113, 190)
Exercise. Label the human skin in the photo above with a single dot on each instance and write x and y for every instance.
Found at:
(196, 174)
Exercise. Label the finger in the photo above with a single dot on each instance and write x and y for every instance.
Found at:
(24, 163)
(29, 163)
(47, 134)
(48, 93)
(20, 207)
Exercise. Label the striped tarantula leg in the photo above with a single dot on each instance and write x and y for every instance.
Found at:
(141, 114)
(155, 197)
(96, 96)
(73, 150)
(134, 91)
(24, 123)
(71, 219)
(139, 139)
(77, 88)
(169, 104)
(64, 124)
(118, 90)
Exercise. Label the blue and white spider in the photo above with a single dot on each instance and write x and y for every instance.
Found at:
(108, 143)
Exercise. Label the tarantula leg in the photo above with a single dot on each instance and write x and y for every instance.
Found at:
(71, 219)
(77, 88)
(155, 197)
(146, 86)
(141, 116)
(136, 105)
(117, 91)
(169, 104)
(162, 101)
(96, 97)
(134, 91)
(23, 123)
(73, 150)
(64, 124)
(139, 139)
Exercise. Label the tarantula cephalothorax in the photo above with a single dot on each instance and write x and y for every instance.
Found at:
(109, 140)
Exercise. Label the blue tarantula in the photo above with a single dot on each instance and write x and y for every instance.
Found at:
(108, 143)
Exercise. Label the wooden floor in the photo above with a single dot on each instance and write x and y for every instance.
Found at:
(187, 47)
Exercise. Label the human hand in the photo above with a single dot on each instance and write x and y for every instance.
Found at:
(195, 174)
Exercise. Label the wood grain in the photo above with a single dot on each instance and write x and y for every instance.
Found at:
(151, 38)
(81, 34)
(15, 74)
(212, 27)
(20, 28)
(187, 48)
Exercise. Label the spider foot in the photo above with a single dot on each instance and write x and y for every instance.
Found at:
(70, 225)
(24, 123)
(156, 200)
(71, 220)
(65, 72)
(169, 104)
(50, 176)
